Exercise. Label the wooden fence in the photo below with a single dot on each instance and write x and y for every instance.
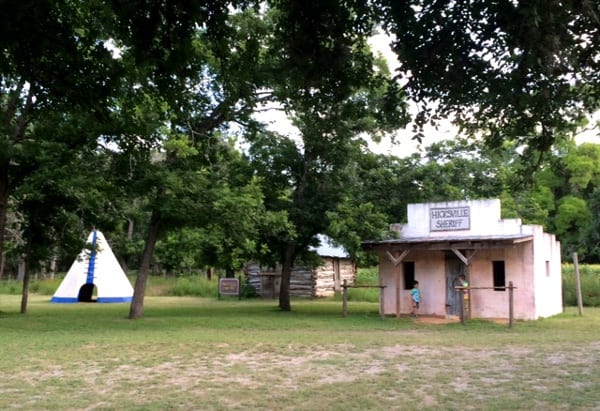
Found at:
(345, 287)
(465, 311)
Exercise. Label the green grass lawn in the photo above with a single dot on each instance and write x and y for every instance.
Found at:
(191, 353)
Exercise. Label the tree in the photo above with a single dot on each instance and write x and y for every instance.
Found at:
(326, 79)
(591, 234)
(238, 217)
(445, 171)
(520, 71)
(571, 179)
(583, 165)
(571, 220)
(385, 181)
(216, 84)
(55, 60)
(352, 222)
(53, 201)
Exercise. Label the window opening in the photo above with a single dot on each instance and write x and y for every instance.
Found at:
(409, 274)
(499, 276)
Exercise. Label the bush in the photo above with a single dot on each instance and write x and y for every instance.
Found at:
(42, 287)
(365, 276)
(590, 285)
(370, 295)
(10, 287)
(248, 291)
(197, 286)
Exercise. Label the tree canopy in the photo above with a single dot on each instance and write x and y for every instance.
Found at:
(524, 71)
(140, 116)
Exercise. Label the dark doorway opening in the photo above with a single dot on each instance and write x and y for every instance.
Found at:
(86, 293)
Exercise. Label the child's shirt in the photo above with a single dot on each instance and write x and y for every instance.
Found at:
(416, 295)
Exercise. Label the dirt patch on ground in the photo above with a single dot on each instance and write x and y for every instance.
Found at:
(453, 319)
(436, 320)
(306, 377)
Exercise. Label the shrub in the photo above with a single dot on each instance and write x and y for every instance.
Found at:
(197, 286)
(248, 291)
(42, 287)
(590, 285)
(365, 276)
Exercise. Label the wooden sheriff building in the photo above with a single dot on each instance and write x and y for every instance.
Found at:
(444, 240)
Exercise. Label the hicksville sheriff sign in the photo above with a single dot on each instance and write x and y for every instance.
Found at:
(450, 218)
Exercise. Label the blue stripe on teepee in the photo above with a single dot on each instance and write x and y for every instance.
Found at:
(92, 261)
(114, 299)
(64, 300)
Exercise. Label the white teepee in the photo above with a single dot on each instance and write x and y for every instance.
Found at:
(95, 266)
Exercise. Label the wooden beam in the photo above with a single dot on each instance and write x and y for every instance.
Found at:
(471, 254)
(396, 260)
(466, 259)
(460, 255)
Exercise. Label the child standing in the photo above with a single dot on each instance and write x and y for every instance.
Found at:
(415, 293)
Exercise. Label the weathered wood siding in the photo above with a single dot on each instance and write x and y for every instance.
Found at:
(331, 274)
(321, 281)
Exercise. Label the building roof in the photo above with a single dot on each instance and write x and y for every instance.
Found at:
(449, 242)
(328, 249)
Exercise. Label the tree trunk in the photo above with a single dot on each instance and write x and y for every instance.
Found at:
(53, 266)
(124, 264)
(137, 304)
(289, 254)
(25, 293)
(229, 273)
(21, 270)
(130, 224)
(15, 118)
(3, 211)
(124, 261)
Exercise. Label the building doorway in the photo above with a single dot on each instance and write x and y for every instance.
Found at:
(454, 268)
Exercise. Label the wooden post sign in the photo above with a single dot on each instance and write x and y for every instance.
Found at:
(229, 286)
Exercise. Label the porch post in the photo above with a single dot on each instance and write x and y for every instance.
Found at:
(382, 303)
(467, 297)
(398, 301)
(462, 305)
(345, 298)
(510, 304)
(578, 285)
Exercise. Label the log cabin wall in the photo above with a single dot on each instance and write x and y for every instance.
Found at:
(305, 281)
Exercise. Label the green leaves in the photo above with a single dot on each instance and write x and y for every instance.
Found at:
(583, 163)
(517, 71)
(572, 217)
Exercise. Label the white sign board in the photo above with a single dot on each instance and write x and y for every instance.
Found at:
(229, 286)
(449, 219)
